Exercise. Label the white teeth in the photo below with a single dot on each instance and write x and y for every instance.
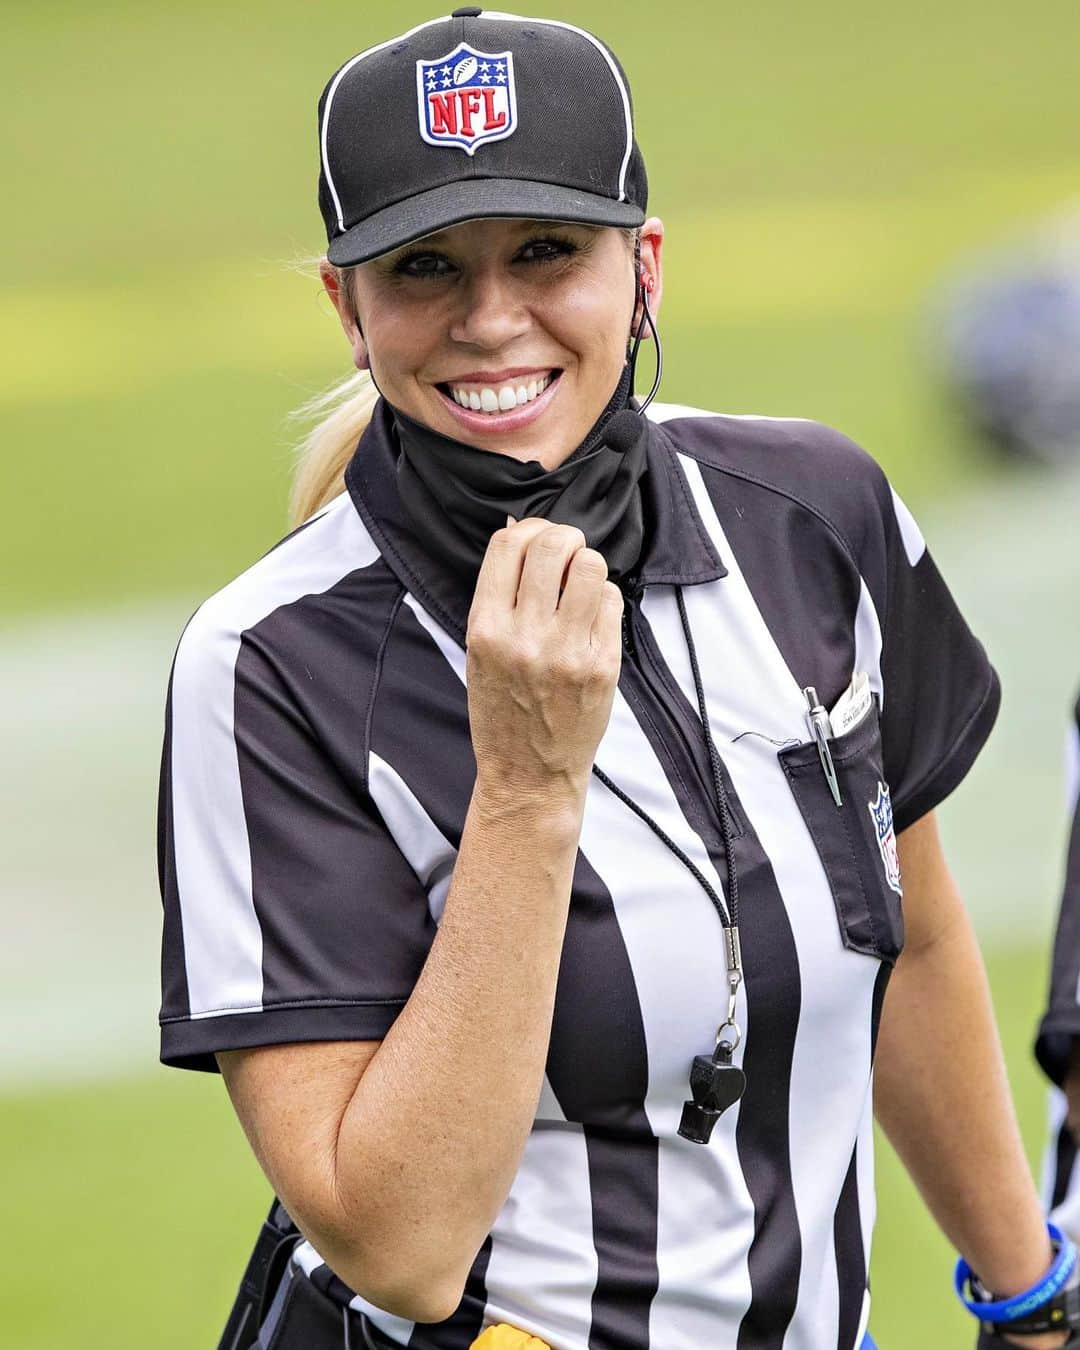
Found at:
(504, 399)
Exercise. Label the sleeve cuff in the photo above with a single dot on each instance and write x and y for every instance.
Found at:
(953, 768)
(1053, 1044)
(191, 1042)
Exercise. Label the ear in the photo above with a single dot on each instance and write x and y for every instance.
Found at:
(333, 284)
(652, 243)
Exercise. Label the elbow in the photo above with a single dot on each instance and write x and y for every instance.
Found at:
(416, 1298)
(402, 1287)
(420, 1305)
(411, 1266)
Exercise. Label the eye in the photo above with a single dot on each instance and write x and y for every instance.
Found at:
(547, 249)
(426, 266)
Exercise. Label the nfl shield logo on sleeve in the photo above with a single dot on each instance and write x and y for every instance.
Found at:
(881, 815)
(467, 98)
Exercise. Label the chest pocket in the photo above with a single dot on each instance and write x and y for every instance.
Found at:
(856, 841)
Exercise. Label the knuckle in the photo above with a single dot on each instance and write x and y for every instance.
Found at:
(559, 538)
(479, 639)
(526, 653)
(590, 564)
(564, 667)
(550, 541)
(608, 670)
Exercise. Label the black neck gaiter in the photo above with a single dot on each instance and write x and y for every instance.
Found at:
(458, 496)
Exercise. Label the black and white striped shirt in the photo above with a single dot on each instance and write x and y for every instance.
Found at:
(1061, 1175)
(316, 777)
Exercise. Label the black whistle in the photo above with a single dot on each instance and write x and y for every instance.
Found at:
(716, 1084)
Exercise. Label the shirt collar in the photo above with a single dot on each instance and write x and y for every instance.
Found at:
(677, 548)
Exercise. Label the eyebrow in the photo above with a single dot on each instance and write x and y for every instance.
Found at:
(523, 225)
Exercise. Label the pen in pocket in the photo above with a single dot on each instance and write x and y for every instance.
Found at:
(821, 729)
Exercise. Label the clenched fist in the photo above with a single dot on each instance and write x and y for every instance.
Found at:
(543, 659)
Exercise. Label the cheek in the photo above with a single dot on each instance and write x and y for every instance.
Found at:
(397, 340)
(594, 321)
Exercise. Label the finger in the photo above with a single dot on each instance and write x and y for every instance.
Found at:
(585, 579)
(546, 560)
(500, 570)
(607, 627)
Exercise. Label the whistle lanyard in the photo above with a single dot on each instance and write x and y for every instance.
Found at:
(715, 1082)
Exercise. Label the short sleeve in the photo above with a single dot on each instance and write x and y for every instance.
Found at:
(1062, 1020)
(290, 913)
(940, 694)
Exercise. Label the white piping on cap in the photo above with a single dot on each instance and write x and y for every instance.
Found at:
(624, 93)
(369, 51)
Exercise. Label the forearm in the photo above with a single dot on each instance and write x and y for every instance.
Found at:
(430, 1142)
(942, 1096)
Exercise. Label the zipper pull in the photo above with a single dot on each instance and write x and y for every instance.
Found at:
(821, 729)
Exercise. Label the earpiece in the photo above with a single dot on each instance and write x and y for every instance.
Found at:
(646, 282)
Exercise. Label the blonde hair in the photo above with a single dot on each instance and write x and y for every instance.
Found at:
(340, 415)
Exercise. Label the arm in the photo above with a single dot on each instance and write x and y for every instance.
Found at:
(940, 1090)
(395, 1158)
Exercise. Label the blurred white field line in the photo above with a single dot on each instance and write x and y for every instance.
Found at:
(81, 708)
(760, 261)
(81, 703)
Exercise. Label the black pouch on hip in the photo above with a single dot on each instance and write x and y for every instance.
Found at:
(278, 1307)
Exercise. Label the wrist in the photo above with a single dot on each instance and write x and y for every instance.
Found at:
(1026, 1269)
(554, 805)
(1036, 1314)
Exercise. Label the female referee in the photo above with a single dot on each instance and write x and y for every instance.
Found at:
(535, 818)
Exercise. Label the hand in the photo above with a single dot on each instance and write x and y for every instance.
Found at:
(542, 667)
(1048, 1340)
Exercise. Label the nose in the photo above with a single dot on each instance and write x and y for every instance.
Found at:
(492, 311)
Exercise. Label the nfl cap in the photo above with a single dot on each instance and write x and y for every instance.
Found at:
(478, 114)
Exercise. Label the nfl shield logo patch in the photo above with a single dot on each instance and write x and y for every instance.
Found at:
(881, 815)
(467, 98)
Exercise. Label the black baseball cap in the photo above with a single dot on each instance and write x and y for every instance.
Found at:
(478, 114)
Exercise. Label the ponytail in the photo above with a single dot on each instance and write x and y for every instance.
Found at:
(342, 412)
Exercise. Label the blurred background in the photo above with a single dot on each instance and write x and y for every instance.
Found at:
(843, 184)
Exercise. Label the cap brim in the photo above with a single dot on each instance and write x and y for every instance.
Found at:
(474, 199)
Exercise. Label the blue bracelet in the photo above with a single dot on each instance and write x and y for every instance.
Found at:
(1020, 1305)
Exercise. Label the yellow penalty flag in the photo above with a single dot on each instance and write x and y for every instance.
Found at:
(503, 1337)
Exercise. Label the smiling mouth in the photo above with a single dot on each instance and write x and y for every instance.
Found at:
(498, 399)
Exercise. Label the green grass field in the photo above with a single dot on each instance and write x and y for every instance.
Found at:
(820, 170)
